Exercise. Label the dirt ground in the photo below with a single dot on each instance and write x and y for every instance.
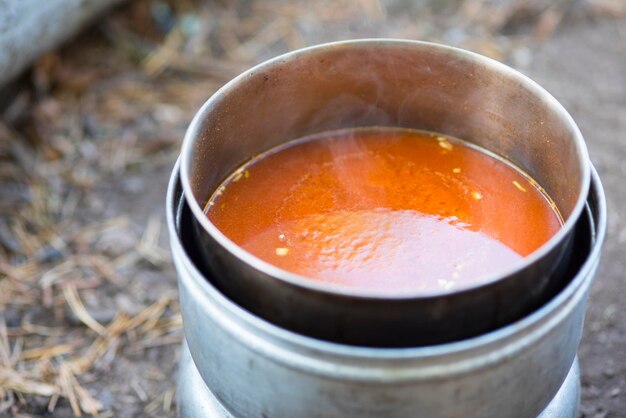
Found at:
(89, 135)
(584, 66)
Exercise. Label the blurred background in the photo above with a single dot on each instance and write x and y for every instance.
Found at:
(89, 133)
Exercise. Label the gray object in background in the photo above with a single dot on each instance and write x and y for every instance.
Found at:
(29, 28)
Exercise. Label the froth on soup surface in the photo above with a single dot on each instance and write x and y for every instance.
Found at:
(394, 211)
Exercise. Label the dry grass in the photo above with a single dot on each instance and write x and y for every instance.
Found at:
(91, 124)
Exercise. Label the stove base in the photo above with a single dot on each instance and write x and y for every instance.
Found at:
(195, 400)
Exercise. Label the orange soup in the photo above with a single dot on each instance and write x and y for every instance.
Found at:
(393, 211)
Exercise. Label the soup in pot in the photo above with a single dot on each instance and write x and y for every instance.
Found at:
(389, 210)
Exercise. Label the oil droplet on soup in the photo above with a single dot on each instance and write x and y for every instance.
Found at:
(395, 211)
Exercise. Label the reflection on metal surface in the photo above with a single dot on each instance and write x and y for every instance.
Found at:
(195, 400)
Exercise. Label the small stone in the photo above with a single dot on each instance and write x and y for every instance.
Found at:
(12, 317)
(106, 398)
(115, 242)
(609, 372)
(522, 57)
(133, 184)
(125, 304)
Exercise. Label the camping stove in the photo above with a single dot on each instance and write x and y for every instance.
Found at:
(195, 400)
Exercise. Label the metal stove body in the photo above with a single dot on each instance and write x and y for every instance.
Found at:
(195, 400)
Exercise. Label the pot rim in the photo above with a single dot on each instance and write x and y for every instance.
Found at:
(277, 273)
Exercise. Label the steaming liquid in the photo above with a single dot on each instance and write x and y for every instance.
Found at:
(395, 211)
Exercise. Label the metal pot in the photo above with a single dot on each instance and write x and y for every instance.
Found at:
(257, 369)
(385, 83)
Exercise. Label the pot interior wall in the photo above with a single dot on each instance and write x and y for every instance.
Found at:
(402, 85)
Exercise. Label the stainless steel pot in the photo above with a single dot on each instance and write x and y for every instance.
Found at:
(385, 83)
(257, 369)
